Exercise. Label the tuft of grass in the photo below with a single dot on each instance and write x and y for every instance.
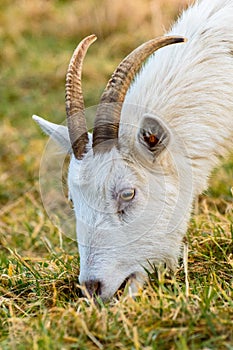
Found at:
(41, 305)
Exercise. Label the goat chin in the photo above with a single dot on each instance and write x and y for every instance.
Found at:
(133, 196)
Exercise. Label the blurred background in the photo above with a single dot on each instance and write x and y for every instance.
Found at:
(37, 39)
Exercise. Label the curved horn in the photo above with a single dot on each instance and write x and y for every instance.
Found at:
(74, 99)
(108, 114)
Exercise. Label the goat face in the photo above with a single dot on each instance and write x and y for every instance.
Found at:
(130, 212)
(125, 181)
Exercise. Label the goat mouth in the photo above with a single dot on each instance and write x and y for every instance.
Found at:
(126, 283)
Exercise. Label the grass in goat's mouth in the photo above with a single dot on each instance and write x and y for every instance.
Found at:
(122, 287)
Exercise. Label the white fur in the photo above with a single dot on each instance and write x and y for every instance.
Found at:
(189, 89)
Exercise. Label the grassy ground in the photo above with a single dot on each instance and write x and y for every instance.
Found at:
(40, 303)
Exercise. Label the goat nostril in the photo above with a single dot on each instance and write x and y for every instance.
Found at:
(93, 287)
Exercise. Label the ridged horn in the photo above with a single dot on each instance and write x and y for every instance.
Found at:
(74, 99)
(109, 110)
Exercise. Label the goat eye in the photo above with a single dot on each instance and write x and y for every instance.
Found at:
(151, 139)
(127, 194)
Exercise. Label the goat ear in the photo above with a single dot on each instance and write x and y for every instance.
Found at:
(153, 136)
(58, 132)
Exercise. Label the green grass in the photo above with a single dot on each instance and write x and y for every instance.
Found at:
(41, 306)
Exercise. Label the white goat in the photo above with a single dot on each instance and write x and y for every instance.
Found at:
(153, 146)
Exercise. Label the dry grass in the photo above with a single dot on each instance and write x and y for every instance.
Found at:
(40, 302)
